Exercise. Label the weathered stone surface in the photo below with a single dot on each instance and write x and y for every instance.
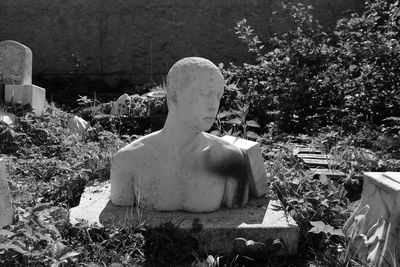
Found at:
(6, 209)
(303, 149)
(77, 124)
(314, 156)
(326, 163)
(27, 94)
(15, 63)
(374, 227)
(252, 151)
(259, 221)
(120, 106)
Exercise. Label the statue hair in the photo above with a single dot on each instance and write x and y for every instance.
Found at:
(184, 72)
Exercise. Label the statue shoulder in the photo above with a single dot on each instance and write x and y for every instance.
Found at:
(138, 148)
(223, 150)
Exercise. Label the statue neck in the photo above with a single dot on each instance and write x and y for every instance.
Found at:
(180, 137)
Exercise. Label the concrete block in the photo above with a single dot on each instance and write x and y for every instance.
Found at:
(252, 151)
(6, 209)
(27, 94)
(259, 221)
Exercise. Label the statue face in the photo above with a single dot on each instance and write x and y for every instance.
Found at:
(198, 104)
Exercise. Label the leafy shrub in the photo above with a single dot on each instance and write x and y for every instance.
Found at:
(138, 116)
(308, 78)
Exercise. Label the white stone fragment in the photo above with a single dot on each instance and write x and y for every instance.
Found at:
(77, 124)
(7, 118)
(119, 107)
(252, 152)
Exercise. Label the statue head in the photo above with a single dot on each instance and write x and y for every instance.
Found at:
(194, 88)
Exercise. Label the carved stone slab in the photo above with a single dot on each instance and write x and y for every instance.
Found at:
(252, 152)
(15, 63)
(374, 227)
(6, 209)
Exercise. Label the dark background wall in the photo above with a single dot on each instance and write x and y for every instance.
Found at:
(139, 40)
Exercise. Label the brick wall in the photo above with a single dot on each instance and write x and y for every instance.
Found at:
(138, 39)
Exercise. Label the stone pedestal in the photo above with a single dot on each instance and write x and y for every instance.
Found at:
(27, 94)
(252, 151)
(260, 220)
(6, 210)
(374, 228)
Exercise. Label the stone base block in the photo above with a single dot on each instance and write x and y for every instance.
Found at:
(6, 209)
(252, 151)
(27, 94)
(260, 220)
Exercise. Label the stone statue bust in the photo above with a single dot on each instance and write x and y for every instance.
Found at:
(181, 167)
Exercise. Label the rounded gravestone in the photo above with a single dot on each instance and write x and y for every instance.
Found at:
(15, 63)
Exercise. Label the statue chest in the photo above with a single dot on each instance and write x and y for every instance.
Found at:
(187, 185)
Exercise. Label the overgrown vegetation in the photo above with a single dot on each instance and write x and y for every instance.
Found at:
(340, 88)
(307, 78)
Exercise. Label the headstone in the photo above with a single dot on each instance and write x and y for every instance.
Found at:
(15, 63)
(374, 227)
(252, 151)
(16, 75)
(6, 209)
